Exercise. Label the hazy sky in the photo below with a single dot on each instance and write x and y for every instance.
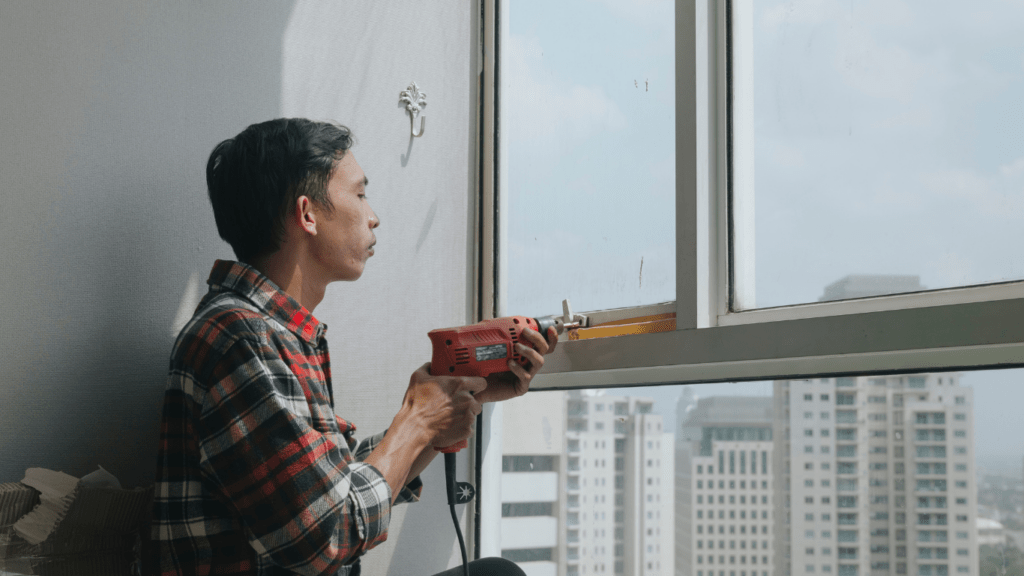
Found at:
(889, 139)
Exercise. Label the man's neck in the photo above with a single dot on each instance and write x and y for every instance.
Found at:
(289, 275)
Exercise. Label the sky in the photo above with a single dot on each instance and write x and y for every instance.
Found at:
(888, 139)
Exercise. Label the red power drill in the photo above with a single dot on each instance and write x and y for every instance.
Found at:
(483, 349)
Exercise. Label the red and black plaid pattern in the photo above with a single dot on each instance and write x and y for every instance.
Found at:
(256, 474)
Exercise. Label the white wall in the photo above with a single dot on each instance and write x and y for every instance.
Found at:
(110, 109)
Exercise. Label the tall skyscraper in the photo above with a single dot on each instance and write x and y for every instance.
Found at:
(725, 488)
(875, 475)
(612, 499)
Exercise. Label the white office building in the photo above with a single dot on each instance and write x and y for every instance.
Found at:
(586, 486)
(725, 498)
(875, 476)
(532, 483)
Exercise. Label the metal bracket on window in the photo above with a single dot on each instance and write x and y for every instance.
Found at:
(414, 101)
(580, 320)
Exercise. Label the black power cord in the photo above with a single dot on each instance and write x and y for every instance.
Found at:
(449, 476)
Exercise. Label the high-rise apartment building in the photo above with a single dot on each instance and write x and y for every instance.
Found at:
(532, 483)
(608, 489)
(618, 486)
(725, 499)
(875, 476)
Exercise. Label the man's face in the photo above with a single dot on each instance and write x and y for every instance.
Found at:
(345, 239)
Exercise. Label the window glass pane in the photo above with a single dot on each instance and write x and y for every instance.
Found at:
(887, 145)
(588, 125)
(689, 479)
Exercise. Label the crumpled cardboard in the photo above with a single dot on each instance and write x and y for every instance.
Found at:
(16, 500)
(67, 526)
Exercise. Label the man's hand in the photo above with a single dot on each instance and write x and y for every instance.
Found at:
(437, 411)
(506, 385)
(443, 405)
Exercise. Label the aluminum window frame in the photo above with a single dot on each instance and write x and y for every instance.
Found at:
(964, 328)
(957, 329)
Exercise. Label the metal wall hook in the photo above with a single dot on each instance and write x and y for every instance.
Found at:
(412, 121)
(414, 101)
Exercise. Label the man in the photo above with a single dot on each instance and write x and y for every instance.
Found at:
(256, 474)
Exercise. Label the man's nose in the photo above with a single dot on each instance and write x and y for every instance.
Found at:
(374, 220)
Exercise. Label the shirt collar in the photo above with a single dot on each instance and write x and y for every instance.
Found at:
(238, 277)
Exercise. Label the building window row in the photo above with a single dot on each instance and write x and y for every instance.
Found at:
(732, 514)
(742, 559)
(732, 573)
(732, 544)
(732, 529)
(732, 484)
(732, 499)
(738, 462)
(810, 397)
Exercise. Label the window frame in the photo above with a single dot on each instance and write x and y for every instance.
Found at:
(962, 328)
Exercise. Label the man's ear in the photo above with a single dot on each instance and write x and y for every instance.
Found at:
(303, 215)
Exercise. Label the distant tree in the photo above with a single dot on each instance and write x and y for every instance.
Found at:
(1002, 560)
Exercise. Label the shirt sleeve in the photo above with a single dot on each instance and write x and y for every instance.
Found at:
(301, 505)
(410, 492)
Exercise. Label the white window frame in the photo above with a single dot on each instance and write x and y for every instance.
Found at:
(963, 328)
(955, 329)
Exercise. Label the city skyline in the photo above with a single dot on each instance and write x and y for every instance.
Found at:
(550, 433)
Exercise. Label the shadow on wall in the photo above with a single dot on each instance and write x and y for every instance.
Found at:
(123, 107)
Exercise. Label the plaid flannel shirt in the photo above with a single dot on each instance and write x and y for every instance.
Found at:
(256, 474)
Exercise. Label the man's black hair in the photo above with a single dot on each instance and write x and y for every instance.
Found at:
(254, 179)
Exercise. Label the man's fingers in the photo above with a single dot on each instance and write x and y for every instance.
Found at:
(533, 356)
(519, 371)
(538, 341)
(544, 344)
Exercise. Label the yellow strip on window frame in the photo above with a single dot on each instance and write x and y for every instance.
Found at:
(640, 325)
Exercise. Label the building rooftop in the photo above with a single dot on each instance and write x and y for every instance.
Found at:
(730, 410)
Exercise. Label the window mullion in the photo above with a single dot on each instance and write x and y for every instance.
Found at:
(739, 74)
(485, 536)
(690, 177)
(701, 200)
